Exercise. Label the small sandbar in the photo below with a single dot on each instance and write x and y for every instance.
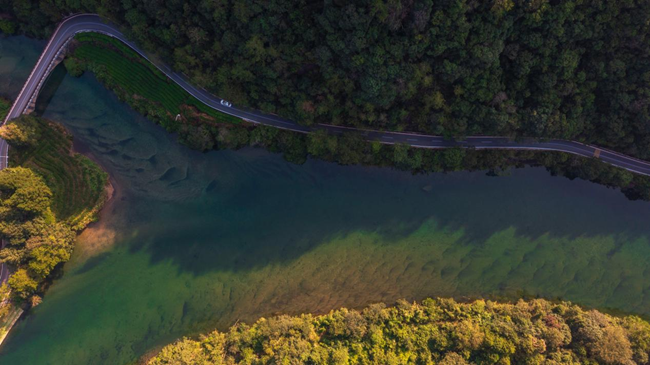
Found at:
(98, 236)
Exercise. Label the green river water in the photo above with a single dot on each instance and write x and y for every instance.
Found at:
(193, 242)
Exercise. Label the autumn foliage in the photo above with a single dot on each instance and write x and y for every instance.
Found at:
(437, 331)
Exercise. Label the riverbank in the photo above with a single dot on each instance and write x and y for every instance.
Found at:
(436, 330)
(435, 69)
(65, 190)
(97, 236)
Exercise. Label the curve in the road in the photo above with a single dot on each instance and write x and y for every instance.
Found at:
(93, 23)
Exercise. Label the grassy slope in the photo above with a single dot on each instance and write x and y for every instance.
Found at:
(121, 67)
(77, 183)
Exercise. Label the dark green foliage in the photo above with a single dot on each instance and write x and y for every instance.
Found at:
(5, 105)
(7, 26)
(196, 137)
(568, 69)
(453, 158)
(438, 331)
(73, 66)
(233, 137)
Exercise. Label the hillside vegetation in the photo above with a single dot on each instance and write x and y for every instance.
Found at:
(140, 83)
(47, 195)
(570, 69)
(437, 331)
(77, 183)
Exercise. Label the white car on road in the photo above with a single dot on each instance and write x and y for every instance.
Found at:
(225, 103)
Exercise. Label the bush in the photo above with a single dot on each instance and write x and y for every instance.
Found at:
(22, 284)
(21, 132)
(74, 67)
(7, 26)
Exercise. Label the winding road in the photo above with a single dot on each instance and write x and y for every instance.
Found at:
(93, 23)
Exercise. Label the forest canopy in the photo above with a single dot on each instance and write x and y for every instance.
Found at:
(437, 331)
(538, 68)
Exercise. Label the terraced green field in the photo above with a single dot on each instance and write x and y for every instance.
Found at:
(120, 66)
(76, 182)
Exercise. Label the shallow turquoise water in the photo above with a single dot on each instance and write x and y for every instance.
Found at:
(198, 241)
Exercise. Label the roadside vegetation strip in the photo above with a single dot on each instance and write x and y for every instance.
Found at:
(121, 67)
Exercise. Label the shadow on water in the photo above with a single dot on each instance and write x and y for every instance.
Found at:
(93, 262)
(18, 54)
(259, 226)
(49, 88)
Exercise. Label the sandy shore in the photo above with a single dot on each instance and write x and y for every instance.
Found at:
(99, 235)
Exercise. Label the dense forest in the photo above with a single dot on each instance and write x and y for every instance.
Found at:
(439, 331)
(541, 68)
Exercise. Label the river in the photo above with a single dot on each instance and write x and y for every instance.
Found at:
(196, 241)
